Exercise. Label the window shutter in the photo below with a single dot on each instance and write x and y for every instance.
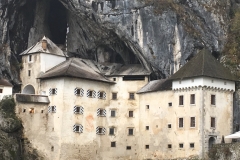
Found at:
(98, 94)
(98, 112)
(104, 95)
(56, 91)
(93, 94)
(88, 93)
(75, 91)
(103, 130)
(97, 130)
(49, 109)
(104, 112)
(50, 91)
(81, 92)
(54, 109)
(75, 109)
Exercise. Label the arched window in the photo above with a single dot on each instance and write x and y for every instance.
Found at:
(29, 89)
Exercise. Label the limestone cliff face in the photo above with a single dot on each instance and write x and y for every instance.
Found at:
(161, 34)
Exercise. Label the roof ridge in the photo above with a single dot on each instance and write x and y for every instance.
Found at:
(70, 62)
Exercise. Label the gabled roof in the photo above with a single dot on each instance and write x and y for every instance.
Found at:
(128, 70)
(4, 82)
(156, 85)
(203, 64)
(51, 48)
(76, 67)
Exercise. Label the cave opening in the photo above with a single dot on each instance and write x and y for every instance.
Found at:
(57, 21)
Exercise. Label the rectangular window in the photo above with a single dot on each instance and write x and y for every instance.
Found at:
(192, 99)
(169, 146)
(78, 128)
(101, 112)
(100, 130)
(130, 131)
(114, 96)
(180, 122)
(192, 121)
(170, 104)
(146, 146)
(169, 125)
(213, 100)
(180, 145)
(213, 122)
(113, 113)
(113, 144)
(131, 96)
(111, 131)
(114, 79)
(31, 110)
(101, 95)
(147, 127)
(128, 148)
(191, 145)
(53, 91)
(78, 110)
(130, 114)
(30, 58)
(24, 110)
(1, 90)
(147, 106)
(52, 109)
(79, 92)
(29, 73)
(180, 100)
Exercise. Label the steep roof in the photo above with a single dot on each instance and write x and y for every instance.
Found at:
(203, 64)
(128, 70)
(156, 85)
(76, 67)
(4, 82)
(51, 48)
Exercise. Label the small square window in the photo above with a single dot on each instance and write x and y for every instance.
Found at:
(53, 91)
(1, 90)
(192, 99)
(31, 110)
(100, 130)
(113, 144)
(101, 112)
(147, 106)
(169, 125)
(24, 110)
(191, 145)
(101, 95)
(131, 96)
(180, 122)
(41, 111)
(213, 122)
(146, 146)
(128, 147)
(114, 96)
(111, 131)
(170, 104)
(113, 113)
(180, 145)
(78, 128)
(147, 127)
(114, 79)
(29, 73)
(169, 146)
(130, 131)
(213, 100)
(78, 110)
(130, 114)
(180, 100)
(192, 122)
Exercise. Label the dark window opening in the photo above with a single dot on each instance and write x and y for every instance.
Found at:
(191, 145)
(41, 111)
(29, 73)
(213, 123)
(131, 96)
(170, 104)
(213, 100)
(114, 96)
(192, 99)
(180, 123)
(54, 91)
(128, 147)
(113, 144)
(180, 100)
(52, 148)
(169, 146)
(113, 113)
(57, 21)
(147, 106)
(1, 90)
(147, 127)
(114, 79)
(180, 145)
(24, 110)
(146, 146)
(169, 126)
(133, 78)
(90, 93)
(130, 114)
(192, 123)
(130, 131)
(30, 58)
(31, 110)
(111, 131)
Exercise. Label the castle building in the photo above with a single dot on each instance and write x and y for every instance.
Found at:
(74, 108)
(5, 88)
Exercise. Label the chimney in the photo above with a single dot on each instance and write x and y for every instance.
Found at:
(44, 43)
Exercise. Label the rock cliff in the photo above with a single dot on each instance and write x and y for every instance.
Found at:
(160, 34)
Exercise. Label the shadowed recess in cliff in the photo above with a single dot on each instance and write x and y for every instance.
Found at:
(57, 21)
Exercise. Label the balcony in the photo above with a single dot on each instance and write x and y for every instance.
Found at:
(31, 98)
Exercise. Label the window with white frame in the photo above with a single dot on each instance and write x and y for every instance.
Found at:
(180, 122)
(101, 95)
(101, 112)
(52, 91)
(91, 93)
(112, 131)
(78, 110)
(100, 130)
(78, 128)
(52, 109)
(79, 92)
(192, 122)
